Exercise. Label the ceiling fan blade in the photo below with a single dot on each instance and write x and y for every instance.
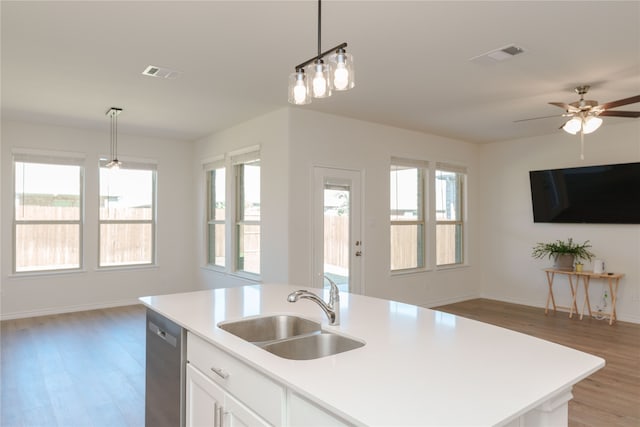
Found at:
(620, 113)
(569, 108)
(537, 118)
(620, 102)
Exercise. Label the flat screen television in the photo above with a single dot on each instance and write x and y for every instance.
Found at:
(605, 194)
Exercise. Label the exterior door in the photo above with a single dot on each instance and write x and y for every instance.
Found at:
(338, 248)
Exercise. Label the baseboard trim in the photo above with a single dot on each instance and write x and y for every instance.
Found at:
(66, 309)
(621, 317)
(447, 301)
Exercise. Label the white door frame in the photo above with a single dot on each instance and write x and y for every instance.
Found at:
(352, 179)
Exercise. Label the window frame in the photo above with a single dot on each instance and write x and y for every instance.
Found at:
(209, 168)
(238, 161)
(422, 253)
(66, 159)
(461, 191)
(132, 165)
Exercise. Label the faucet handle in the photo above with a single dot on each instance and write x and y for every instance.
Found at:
(334, 287)
(334, 301)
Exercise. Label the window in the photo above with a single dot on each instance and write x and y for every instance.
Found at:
(216, 214)
(407, 216)
(247, 243)
(127, 215)
(449, 215)
(48, 213)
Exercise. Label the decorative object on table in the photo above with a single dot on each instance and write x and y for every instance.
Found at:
(598, 266)
(579, 267)
(563, 253)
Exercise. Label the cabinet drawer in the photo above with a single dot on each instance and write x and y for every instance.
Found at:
(249, 386)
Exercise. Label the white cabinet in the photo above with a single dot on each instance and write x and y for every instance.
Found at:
(302, 412)
(208, 405)
(222, 391)
(204, 398)
(256, 399)
(237, 415)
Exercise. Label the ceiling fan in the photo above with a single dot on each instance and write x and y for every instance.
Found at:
(584, 113)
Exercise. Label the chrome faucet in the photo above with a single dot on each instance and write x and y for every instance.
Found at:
(332, 309)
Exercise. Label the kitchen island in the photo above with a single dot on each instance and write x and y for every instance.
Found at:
(417, 367)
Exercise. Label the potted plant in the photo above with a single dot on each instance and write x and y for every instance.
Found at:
(563, 253)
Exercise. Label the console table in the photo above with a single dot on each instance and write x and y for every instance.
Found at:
(613, 280)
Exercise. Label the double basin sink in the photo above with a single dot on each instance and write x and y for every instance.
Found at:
(290, 337)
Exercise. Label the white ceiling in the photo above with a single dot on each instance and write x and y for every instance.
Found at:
(68, 62)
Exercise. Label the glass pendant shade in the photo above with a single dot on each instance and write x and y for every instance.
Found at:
(342, 70)
(591, 124)
(573, 126)
(299, 90)
(320, 82)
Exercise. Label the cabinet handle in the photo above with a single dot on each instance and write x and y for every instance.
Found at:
(215, 415)
(222, 374)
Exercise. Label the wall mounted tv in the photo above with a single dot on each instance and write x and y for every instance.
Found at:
(605, 194)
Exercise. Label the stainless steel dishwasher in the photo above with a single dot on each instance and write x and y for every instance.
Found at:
(165, 372)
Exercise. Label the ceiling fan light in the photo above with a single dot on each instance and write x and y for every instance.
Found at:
(299, 90)
(573, 126)
(342, 72)
(591, 124)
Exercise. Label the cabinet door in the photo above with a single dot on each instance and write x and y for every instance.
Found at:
(304, 413)
(204, 400)
(238, 415)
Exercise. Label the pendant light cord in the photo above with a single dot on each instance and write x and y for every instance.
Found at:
(114, 135)
(319, 27)
(111, 148)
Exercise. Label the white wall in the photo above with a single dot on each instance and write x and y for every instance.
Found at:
(318, 139)
(270, 133)
(509, 233)
(293, 141)
(32, 295)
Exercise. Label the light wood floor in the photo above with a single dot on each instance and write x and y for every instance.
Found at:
(87, 368)
(71, 370)
(611, 396)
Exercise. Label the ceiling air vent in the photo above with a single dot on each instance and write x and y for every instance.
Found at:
(498, 55)
(162, 72)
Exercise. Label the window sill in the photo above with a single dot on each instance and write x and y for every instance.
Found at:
(452, 267)
(215, 268)
(239, 274)
(32, 274)
(400, 273)
(127, 268)
(409, 272)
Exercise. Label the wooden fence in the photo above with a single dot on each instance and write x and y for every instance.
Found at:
(404, 240)
(52, 246)
(46, 246)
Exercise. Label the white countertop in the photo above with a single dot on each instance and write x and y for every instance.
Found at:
(418, 367)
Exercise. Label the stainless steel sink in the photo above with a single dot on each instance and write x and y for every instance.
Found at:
(290, 337)
(260, 330)
(312, 346)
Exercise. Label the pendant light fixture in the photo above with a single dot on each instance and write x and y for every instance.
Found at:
(317, 79)
(113, 114)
